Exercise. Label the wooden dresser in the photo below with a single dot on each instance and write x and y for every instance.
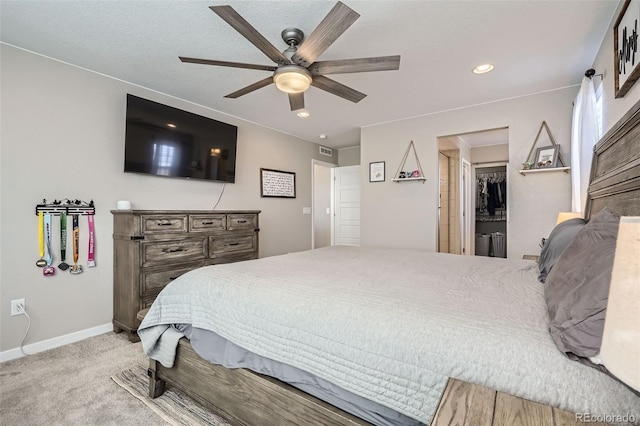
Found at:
(153, 247)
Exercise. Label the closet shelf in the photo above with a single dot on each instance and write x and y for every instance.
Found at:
(549, 169)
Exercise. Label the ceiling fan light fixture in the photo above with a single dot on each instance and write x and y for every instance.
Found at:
(482, 69)
(292, 79)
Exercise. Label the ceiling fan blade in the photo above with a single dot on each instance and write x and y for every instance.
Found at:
(337, 89)
(332, 26)
(227, 64)
(232, 18)
(296, 100)
(250, 88)
(380, 63)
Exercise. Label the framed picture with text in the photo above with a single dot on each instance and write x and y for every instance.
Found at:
(625, 47)
(277, 184)
(546, 157)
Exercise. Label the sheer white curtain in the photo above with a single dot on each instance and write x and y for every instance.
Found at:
(585, 132)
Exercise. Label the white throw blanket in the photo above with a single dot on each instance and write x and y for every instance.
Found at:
(389, 325)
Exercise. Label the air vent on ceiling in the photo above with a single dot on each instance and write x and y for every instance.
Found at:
(326, 151)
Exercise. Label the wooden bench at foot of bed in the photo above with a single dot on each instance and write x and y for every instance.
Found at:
(464, 403)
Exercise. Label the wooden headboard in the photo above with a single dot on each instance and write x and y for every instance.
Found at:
(615, 170)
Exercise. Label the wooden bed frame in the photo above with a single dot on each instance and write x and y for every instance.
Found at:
(247, 398)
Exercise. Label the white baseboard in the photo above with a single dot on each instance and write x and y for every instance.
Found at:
(55, 342)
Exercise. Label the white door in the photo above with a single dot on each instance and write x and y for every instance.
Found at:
(347, 206)
(467, 193)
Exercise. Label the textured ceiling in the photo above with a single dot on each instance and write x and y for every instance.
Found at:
(535, 46)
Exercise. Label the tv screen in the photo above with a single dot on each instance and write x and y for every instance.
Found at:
(165, 141)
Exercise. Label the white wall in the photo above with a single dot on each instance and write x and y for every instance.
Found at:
(62, 136)
(405, 214)
(349, 156)
(490, 153)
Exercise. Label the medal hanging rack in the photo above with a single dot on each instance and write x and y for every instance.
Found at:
(64, 208)
(67, 206)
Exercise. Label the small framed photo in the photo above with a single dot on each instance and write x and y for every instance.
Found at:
(547, 156)
(376, 171)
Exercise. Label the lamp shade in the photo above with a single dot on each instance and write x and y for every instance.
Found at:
(562, 216)
(620, 350)
(292, 79)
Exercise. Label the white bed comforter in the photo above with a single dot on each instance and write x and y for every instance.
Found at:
(389, 325)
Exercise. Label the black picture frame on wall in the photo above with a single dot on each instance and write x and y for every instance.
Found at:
(277, 184)
(376, 171)
(625, 47)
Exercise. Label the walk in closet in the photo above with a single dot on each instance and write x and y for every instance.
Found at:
(491, 211)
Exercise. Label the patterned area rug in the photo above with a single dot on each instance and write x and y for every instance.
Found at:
(173, 406)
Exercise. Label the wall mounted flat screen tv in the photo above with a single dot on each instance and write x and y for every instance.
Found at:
(165, 141)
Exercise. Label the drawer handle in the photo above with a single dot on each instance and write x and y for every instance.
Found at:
(207, 223)
(234, 244)
(164, 223)
(242, 221)
(175, 250)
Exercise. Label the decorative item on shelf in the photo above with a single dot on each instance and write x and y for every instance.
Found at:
(546, 158)
(625, 48)
(410, 175)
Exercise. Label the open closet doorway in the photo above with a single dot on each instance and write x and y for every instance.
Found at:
(321, 203)
(467, 215)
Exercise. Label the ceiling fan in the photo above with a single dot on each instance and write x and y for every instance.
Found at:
(297, 68)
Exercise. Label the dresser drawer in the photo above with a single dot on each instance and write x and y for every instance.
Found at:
(237, 222)
(157, 224)
(210, 222)
(235, 257)
(151, 282)
(238, 244)
(160, 253)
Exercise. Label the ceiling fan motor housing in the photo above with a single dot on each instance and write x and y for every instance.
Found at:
(292, 36)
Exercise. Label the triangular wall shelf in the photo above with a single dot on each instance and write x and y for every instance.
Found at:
(401, 170)
(561, 167)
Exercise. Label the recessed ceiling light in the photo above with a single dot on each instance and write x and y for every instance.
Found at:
(303, 114)
(481, 69)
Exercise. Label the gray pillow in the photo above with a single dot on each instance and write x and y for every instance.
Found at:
(577, 288)
(557, 242)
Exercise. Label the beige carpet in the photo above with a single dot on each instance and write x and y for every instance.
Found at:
(173, 406)
(71, 385)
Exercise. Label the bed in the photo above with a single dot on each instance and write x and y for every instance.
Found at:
(371, 336)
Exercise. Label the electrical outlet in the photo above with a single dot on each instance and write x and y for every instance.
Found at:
(14, 306)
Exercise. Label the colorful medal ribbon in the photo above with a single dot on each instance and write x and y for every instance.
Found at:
(41, 263)
(63, 266)
(48, 270)
(75, 269)
(91, 262)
